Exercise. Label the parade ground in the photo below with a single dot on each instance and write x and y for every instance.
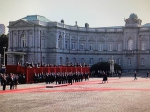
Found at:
(118, 95)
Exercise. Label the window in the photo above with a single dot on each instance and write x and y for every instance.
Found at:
(119, 47)
(100, 47)
(73, 45)
(100, 60)
(60, 60)
(91, 61)
(142, 61)
(118, 61)
(130, 44)
(23, 39)
(143, 46)
(59, 42)
(109, 47)
(82, 60)
(67, 60)
(74, 60)
(43, 43)
(91, 47)
(66, 45)
(129, 61)
(82, 46)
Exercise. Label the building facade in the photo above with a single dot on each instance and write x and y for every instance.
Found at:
(2, 29)
(39, 40)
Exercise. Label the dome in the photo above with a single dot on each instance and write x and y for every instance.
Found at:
(133, 16)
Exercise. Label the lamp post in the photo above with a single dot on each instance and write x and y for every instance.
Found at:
(4, 55)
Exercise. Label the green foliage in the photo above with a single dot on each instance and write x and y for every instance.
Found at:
(104, 66)
(3, 43)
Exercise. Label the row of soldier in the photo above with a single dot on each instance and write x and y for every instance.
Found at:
(12, 79)
(61, 77)
(109, 74)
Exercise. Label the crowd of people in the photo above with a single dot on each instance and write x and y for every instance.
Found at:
(61, 77)
(69, 64)
(101, 73)
(12, 79)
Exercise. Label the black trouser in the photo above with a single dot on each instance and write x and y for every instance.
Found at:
(4, 86)
(11, 86)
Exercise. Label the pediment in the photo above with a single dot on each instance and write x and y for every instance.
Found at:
(21, 23)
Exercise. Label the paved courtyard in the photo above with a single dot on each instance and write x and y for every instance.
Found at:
(118, 95)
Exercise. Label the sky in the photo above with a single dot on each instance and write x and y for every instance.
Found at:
(97, 13)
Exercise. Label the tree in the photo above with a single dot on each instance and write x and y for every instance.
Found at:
(104, 66)
(3, 43)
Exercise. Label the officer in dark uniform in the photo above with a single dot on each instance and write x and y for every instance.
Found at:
(4, 82)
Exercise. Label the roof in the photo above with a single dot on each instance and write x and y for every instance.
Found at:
(147, 24)
(36, 17)
(133, 16)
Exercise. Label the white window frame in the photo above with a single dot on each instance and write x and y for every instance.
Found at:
(82, 46)
(100, 47)
(119, 47)
(23, 41)
(143, 46)
(110, 47)
(73, 46)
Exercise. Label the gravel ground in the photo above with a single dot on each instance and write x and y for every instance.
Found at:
(118, 95)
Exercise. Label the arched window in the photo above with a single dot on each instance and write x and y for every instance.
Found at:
(59, 42)
(74, 60)
(142, 61)
(100, 60)
(129, 61)
(82, 60)
(23, 41)
(91, 61)
(67, 60)
(130, 44)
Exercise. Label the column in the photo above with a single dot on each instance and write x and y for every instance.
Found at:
(9, 40)
(70, 42)
(78, 42)
(96, 46)
(12, 40)
(87, 48)
(148, 47)
(18, 38)
(64, 40)
(105, 43)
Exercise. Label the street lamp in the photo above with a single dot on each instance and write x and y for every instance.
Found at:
(4, 55)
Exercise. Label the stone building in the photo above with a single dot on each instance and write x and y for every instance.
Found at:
(37, 39)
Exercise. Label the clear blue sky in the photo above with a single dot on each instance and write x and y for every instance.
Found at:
(98, 13)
